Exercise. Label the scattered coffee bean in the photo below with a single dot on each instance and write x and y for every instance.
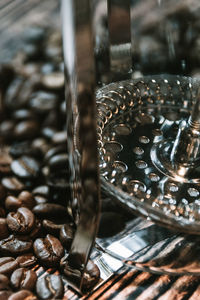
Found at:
(5, 162)
(51, 227)
(2, 193)
(40, 199)
(42, 190)
(23, 295)
(26, 199)
(26, 260)
(14, 245)
(4, 295)
(7, 265)
(13, 184)
(60, 138)
(24, 148)
(25, 167)
(50, 210)
(22, 221)
(23, 278)
(58, 162)
(66, 235)
(26, 130)
(50, 287)
(3, 229)
(42, 102)
(48, 250)
(4, 281)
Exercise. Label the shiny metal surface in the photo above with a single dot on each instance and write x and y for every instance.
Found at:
(81, 127)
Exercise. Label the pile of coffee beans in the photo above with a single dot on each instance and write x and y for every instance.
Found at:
(36, 228)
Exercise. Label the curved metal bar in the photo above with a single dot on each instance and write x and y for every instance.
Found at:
(78, 44)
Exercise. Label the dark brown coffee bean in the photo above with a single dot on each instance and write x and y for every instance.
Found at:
(23, 114)
(110, 224)
(53, 80)
(66, 235)
(50, 287)
(11, 96)
(40, 199)
(48, 250)
(54, 151)
(42, 190)
(5, 162)
(2, 212)
(43, 102)
(22, 221)
(51, 227)
(13, 184)
(7, 129)
(60, 138)
(2, 193)
(23, 278)
(7, 265)
(26, 260)
(26, 129)
(25, 167)
(41, 144)
(23, 295)
(12, 203)
(4, 295)
(3, 229)
(26, 199)
(48, 132)
(14, 245)
(4, 280)
(58, 162)
(91, 275)
(35, 231)
(50, 210)
(24, 148)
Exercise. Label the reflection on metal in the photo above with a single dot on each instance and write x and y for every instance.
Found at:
(119, 24)
(78, 46)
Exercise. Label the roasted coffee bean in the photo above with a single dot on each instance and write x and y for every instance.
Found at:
(40, 199)
(42, 190)
(2, 212)
(48, 132)
(42, 102)
(58, 162)
(66, 235)
(50, 287)
(23, 278)
(91, 275)
(4, 282)
(7, 129)
(7, 265)
(24, 199)
(53, 80)
(22, 221)
(12, 203)
(50, 210)
(110, 224)
(51, 227)
(4, 295)
(41, 144)
(5, 162)
(54, 151)
(25, 167)
(48, 250)
(26, 260)
(2, 193)
(3, 229)
(26, 129)
(24, 148)
(23, 114)
(13, 184)
(35, 231)
(11, 97)
(60, 138)
(14, 245)
(23, 295)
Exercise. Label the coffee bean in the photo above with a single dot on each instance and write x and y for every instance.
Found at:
(91, 275)
(5, 162)
(48, 132)
(24, 148)
(23, 114)
(35, 231)
(58, 162)
(60, 138)
(110, 224)
(14, 245)
(40, 199)
(7, 129)
(50, 287)
(26, 199)
(23, 278)
(4, 295)
(22, 221)
(12, 203)
(7, 265)
(50, 210)
(2, 193)
(2, 212)
(42, 190)
(11, 97)
(26, 260)
(26, 129)
(48, 250)
(54, 151)
(42, 102)
(51, 227)
(23, 295)
(3, 281)
(25, 167)
(53, 80)
(12, 184)
(41, 144)
(3, 229)
(66, 235)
